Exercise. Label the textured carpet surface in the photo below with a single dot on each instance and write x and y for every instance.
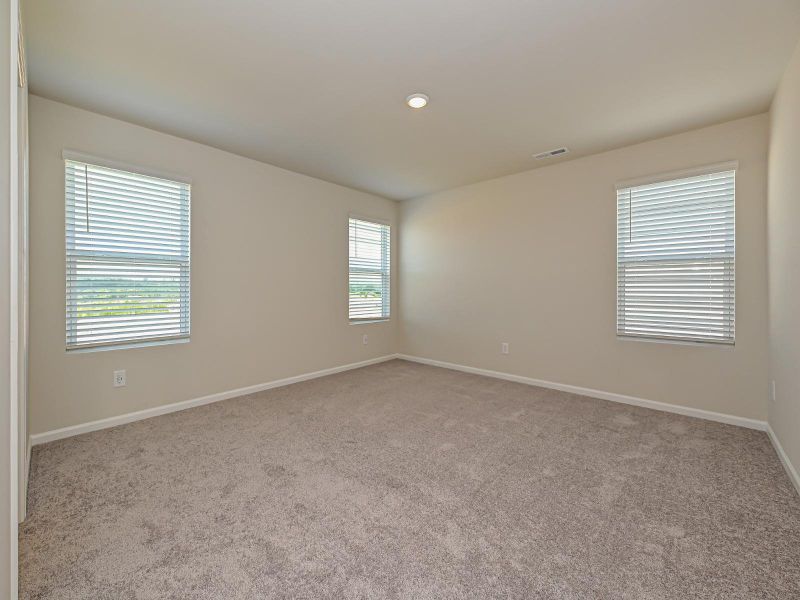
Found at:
(406, 481)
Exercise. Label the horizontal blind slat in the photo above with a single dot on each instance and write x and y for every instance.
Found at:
(369, 270)
(676, 259)
(127, 254)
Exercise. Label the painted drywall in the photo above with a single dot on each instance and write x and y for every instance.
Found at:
(530, 259)
(8, 300)
(269, 275)
(784, 260)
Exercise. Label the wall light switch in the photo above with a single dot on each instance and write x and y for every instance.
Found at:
(504, 348)
(120, 378)
(365, 339)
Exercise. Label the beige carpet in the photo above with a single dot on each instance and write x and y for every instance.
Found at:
(407, 481)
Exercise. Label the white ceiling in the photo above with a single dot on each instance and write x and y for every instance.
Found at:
(318, 86)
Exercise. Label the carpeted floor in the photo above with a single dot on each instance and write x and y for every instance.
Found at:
(406, 481)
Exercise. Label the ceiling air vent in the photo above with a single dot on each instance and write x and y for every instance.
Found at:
(550, 153)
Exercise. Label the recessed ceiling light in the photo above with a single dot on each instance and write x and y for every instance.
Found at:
(417, 100)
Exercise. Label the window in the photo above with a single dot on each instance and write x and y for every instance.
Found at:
(369, 270)
(675, 258)
(127, 238)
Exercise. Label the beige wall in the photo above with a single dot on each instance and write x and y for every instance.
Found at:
(784, 260)
(530, 259)
(269, 275)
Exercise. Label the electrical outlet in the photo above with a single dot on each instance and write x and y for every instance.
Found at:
(504, 348)
(772, 391)
(120, 378)
(365, 339)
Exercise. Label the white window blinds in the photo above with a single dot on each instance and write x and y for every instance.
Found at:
(369, 270)
(127, 248)
(675, 259)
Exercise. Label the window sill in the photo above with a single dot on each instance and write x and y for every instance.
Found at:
(633, 338)
(368, 321)
(127, 346)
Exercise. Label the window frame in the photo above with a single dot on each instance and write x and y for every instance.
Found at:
(119, 344)
(386, 273)
(665, 178)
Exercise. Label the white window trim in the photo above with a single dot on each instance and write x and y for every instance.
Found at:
(378, 221)
(649, 340)
(129, 345)
(732, 165)
(362, 217)
(76, 156)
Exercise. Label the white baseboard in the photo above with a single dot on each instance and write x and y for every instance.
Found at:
(65, 432)
(787, 464)
(662, 406)
(794, 477)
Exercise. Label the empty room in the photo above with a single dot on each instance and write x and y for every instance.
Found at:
(444, 299)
